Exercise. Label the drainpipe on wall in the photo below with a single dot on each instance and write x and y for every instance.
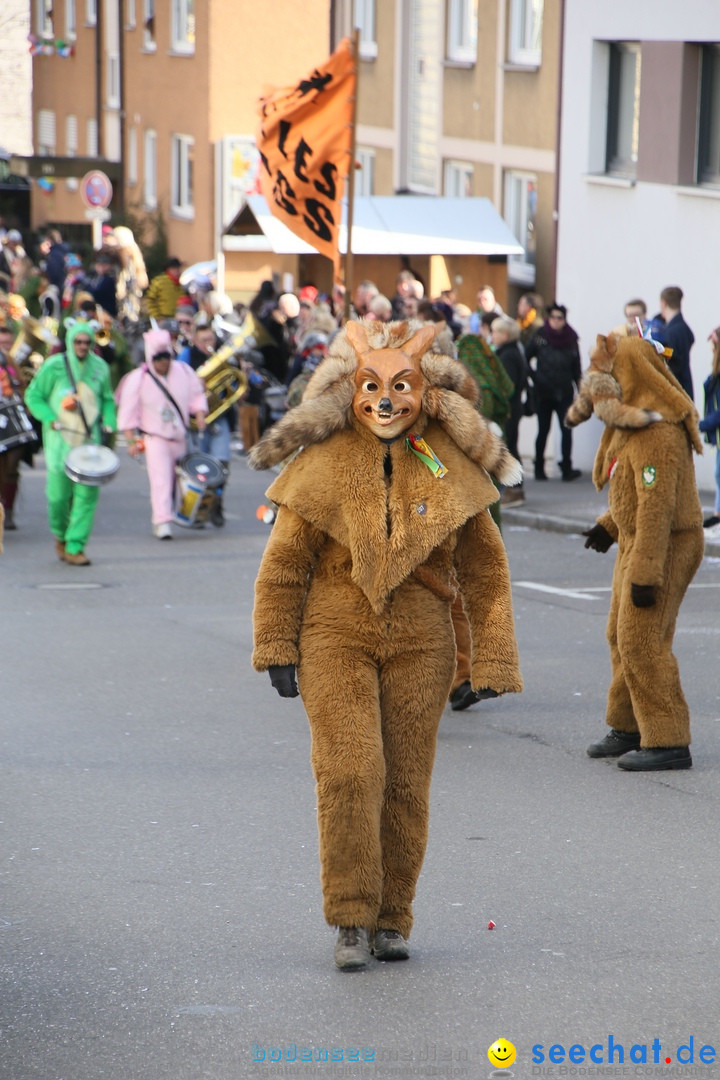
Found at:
(558, 133)
(120, 192)
(98, 77)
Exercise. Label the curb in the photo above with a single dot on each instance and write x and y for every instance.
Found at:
(520, 515)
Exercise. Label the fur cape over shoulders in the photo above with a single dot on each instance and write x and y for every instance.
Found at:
(450, 397)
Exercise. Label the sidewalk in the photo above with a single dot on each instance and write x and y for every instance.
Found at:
(573, 507)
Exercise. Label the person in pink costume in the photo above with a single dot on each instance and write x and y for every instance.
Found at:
(152, 421)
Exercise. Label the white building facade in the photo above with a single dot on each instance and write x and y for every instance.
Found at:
(639, 173)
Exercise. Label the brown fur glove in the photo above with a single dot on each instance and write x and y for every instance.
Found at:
(598, 538)
(643, 595)
(282, 676)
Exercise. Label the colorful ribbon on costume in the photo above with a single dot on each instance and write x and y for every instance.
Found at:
(426, 455)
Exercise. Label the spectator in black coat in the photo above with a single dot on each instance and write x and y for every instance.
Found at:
(102, 284)
(556, 376)
(677, 335)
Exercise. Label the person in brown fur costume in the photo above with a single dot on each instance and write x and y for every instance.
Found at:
(654, 515)
(381, 514)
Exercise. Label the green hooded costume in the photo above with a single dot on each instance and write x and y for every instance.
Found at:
(71, 506)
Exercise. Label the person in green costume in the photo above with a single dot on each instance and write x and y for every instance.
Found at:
(52, 398)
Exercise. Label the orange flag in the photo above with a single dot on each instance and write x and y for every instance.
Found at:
(304, 143)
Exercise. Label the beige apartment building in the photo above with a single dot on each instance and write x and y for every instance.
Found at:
(457, 98)
(460, 98)
(152, 95)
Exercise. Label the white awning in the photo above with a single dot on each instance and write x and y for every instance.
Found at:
(387, 225)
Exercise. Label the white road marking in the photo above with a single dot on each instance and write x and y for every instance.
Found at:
(72, 585)
(586, 593)
(573, 594)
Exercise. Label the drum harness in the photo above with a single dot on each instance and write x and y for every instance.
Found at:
(170, 398)
(77, 398)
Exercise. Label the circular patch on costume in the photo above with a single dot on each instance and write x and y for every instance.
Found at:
(649, 475)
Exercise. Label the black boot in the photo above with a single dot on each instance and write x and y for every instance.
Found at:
(217, 517)
(540, 470)
(568, 473)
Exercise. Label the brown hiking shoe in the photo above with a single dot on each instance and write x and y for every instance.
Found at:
(76, 558)
(60, 549)
(390, 945)
(352, 951)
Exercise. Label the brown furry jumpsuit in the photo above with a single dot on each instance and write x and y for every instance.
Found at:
(355, 589)
(645, 455)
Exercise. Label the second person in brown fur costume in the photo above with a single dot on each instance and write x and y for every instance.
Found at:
(381, 513)
(654, 515)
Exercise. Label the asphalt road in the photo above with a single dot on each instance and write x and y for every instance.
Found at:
(160, 909)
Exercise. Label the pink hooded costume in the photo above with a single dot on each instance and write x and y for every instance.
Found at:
(144, 407)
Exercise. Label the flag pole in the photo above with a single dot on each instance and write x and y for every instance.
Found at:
(348, 276)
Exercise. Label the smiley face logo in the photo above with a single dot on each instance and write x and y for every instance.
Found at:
(501, 1054)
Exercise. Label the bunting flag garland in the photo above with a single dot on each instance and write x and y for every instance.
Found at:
(48, 47)
(304, 142)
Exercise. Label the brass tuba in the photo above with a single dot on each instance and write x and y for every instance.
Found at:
(34, 339)
(224, 382)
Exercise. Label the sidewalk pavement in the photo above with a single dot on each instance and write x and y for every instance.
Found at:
(572, 507)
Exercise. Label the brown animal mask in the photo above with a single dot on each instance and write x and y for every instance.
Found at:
(388, 382)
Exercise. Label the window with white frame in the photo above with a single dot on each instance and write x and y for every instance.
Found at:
(71, 136)
(150, 164)
(520, 215)
(183, 26)
(364, 21)
(70, 20)
(462, 31)
(149, 42)
(90, 12)
(525, 37)
(113, 80)
(364, 171)
(44, 18)
(623, 115)
(708, 159)
(132, 157)
(458, 179)
(181, 179)
(45, 132)
(91, 138)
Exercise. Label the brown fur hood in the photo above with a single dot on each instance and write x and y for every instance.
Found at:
(629, 386)
(449, 397)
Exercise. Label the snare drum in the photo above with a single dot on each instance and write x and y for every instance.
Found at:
(16, 427)
(197, 477)
(92, 465)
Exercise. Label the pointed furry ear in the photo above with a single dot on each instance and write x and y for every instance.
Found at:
(420, 342)
(605, 349)
(357, 336)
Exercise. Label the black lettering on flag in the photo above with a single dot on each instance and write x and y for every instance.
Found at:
(315, 82)
(328, 174)
(266, 164)
(282, 192)
(285, 126)
(302, 152)
(316, 211)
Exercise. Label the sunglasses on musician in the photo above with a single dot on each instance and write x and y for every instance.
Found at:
(162, 356)
(82, 341)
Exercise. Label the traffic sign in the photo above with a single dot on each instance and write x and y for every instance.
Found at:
(96, 190)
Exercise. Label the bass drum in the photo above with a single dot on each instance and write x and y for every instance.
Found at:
(92, 465)
(197, 478)
(16, 428)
